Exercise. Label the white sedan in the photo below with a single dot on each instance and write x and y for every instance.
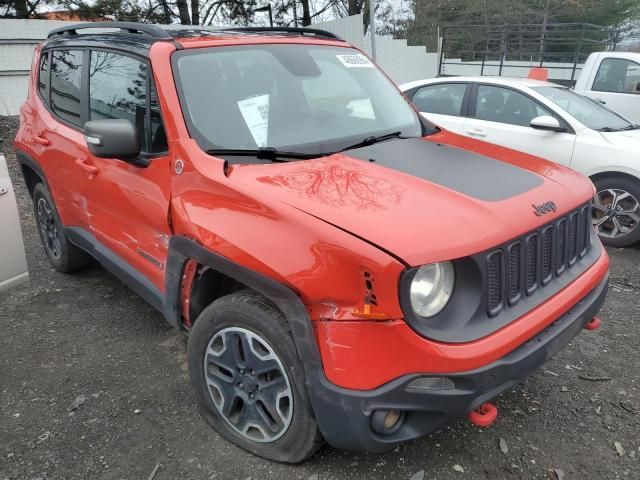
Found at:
(552, 122)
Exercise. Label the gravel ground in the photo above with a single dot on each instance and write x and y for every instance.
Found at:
(94, 385)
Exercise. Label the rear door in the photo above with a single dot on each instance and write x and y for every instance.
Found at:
(502, 115)
(128, 205)
(617, 84)
(444, 104)
(58, 142)
(13, 264)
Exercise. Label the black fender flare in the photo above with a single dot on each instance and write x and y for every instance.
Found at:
(182, 249)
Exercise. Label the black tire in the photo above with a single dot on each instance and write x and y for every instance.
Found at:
(63, 255)
(626, 184)
(248, 311)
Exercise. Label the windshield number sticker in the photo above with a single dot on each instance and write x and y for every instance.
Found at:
(355, 61)
(255, 111)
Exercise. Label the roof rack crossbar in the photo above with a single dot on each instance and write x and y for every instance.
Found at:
(298, 30)
(129, 27)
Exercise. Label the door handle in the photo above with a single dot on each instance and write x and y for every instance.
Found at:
(600, 101)
(476, 132)
(42, 140)
(90, 169)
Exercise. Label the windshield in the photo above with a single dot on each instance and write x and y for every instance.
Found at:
(587, 111)
(302, 98)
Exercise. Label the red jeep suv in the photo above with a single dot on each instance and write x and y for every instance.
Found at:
(347, 272)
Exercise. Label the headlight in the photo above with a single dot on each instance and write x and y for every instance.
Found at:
(431, 288)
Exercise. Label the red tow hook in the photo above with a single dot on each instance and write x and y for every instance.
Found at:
(484, 415)
(594, 324)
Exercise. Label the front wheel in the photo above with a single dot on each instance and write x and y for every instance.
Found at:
(248, 378)
(616, 210)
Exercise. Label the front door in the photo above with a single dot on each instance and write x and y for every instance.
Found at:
(128, 205)
(13, 265)
(617, 85)
(502, 116)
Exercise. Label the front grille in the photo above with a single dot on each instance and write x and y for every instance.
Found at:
(525, 264)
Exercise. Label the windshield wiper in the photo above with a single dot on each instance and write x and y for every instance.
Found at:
(632, 126)
(374, 139)
(265, 153)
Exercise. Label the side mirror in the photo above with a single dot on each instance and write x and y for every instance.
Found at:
(547, 122)
(112, 138)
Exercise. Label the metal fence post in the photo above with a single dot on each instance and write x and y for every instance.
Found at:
(503, 48)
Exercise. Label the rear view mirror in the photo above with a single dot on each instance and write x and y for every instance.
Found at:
(547, 122)
(112, 138)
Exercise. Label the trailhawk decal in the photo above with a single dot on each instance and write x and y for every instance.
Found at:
(465, 172)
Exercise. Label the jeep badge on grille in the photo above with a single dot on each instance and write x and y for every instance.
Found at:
(544, 208)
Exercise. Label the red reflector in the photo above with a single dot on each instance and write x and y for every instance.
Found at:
(484, 415)
(539, 73)
(593, 324)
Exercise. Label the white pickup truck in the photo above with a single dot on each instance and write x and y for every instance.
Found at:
(613, 78)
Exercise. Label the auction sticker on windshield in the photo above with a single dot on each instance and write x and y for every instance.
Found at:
(255, 111)
(355, 61)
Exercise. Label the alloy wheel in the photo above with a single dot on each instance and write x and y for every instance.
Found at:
(248, 384)
(48, 228)
(616, 213)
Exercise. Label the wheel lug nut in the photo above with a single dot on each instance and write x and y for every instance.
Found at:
(252, 395)
(242, 371)
(241, 386)
(253, 373)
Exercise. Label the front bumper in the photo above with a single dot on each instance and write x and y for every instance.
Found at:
(344, 415)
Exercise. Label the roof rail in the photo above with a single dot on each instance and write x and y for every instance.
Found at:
(129, 27)
(297, 30)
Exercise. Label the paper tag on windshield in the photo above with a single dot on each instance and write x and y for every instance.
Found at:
(255, 111)
(355, 61)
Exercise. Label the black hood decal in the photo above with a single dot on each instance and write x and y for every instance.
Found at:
(466, 172)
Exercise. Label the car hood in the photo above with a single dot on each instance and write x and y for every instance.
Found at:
(629, 139)
(424, 200)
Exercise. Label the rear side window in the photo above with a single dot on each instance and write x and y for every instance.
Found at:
(66, 75)
(618, 75)
(443, 99)
(118, 89)
(497, 104)
(42, 75)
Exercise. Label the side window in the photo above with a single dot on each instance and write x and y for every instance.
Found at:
(503, 105)
(66, 75)
(42, 75)
(618, 75)
(443, 99)
(118, 90)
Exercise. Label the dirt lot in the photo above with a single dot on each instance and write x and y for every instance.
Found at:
(94, 385)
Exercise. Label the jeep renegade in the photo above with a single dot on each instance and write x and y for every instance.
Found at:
(347, 272)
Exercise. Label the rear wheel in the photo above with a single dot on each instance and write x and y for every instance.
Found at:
(63, 255)
(616, 212)
(248, 378)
